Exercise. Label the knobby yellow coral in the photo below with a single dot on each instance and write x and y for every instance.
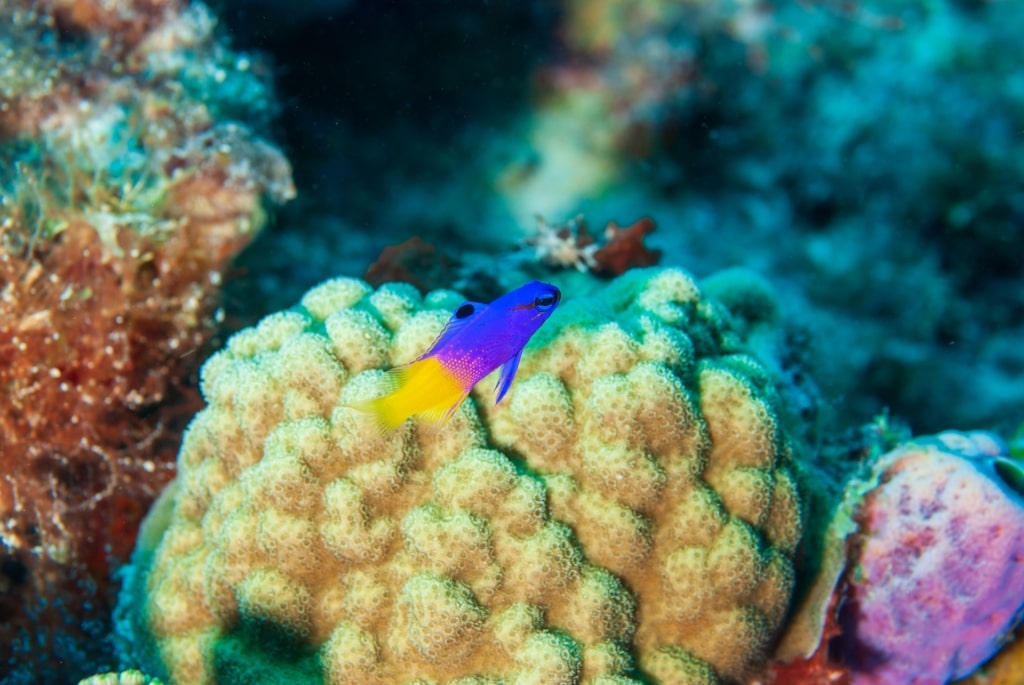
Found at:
(122, 678)
(626, 512)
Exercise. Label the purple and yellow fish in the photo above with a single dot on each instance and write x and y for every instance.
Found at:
(477, 339)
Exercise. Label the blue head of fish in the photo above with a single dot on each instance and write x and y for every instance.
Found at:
(481, 337)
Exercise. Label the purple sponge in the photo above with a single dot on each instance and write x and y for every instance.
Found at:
(936, 581)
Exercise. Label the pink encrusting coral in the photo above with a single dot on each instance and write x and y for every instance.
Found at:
(936, 582)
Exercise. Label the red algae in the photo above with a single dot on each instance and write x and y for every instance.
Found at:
(124, 200)
(96, 357)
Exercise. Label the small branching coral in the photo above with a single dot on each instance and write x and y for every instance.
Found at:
(570, 246)
(628, 512)
(566, 246)
(123, 200)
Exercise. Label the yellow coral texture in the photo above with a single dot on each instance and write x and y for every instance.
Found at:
(625, 515)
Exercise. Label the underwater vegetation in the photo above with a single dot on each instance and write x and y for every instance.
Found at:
(125, 193)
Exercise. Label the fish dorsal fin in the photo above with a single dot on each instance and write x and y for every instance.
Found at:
(508, 372)
(463, 315)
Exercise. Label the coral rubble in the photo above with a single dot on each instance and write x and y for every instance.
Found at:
(124, 193)
(627, 512)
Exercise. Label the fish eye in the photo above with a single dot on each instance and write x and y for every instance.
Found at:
(545, 302)
(464, 310)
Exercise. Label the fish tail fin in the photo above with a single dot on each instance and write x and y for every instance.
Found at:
(422, 388)
(382, 412)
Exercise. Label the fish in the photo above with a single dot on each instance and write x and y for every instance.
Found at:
(477, 339)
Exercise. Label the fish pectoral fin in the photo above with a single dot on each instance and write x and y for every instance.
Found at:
(508, 372)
